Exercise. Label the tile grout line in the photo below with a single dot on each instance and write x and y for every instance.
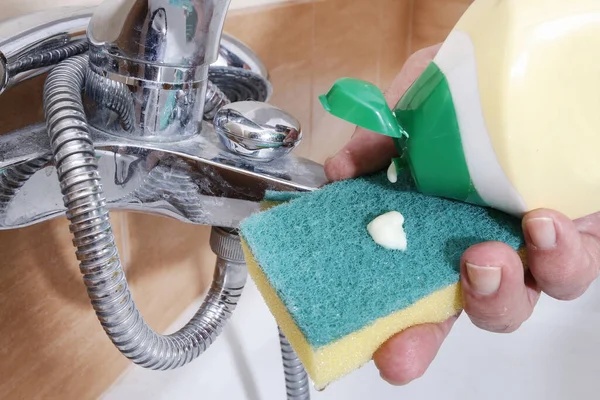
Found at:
(411, 23)
(312, 76)
(380, 45)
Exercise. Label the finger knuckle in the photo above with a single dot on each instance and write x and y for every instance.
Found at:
(496, 318)
(556, 277)
(566, 294)
(564, 281)
(503, 325)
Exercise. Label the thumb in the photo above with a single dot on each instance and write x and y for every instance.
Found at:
(411, 70)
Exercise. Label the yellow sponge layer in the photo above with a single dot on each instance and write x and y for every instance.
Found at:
(331, 362)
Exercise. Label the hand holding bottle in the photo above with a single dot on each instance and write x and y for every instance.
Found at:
(563, 256)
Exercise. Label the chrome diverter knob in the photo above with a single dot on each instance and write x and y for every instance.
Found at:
(256, 130)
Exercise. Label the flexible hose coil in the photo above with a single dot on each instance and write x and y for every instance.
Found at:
(238, 84)
(215, 99)
(13, 178)
(296, 379)
(96, 250)
(107, 287)
(47, 57)
(111, 94)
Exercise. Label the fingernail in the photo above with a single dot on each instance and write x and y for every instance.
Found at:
(484, 280)
(542, 232)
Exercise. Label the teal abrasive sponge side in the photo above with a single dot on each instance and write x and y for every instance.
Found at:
(271, 195)
(333, 279)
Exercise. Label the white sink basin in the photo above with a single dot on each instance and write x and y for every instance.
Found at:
(554, 356)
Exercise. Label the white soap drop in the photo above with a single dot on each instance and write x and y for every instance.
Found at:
(392, 174)
(387, 231)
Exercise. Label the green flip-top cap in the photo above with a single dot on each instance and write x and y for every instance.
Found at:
(363, 104)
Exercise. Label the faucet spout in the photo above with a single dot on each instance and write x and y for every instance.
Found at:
(169, 33)
(155, 56)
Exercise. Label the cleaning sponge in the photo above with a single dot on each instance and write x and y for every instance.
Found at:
(335, 293)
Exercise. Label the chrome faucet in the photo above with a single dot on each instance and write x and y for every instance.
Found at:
(148, 107)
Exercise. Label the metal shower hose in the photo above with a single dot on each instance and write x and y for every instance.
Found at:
(103, 275)
(100, 265)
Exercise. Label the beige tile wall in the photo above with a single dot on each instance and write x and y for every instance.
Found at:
(13, 8)
(433, 19)
(314, 43)
(51, 346)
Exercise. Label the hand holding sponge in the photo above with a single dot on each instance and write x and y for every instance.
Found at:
(335, 293)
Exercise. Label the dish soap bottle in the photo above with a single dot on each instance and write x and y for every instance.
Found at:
(508, 113)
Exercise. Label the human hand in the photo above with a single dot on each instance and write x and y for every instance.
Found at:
(563, 256)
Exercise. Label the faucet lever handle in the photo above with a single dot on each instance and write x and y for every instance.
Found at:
(256, 130)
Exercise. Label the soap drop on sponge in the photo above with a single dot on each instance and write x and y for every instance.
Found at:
(387, 230)
(392, 174)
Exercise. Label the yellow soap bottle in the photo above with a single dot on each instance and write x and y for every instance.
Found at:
(508, 113)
